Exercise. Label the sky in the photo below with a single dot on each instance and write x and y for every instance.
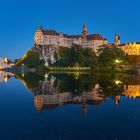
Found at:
(19, 20)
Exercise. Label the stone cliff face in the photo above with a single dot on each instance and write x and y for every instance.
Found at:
(45, 52)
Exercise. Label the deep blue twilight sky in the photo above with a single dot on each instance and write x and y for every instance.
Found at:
(19, 19)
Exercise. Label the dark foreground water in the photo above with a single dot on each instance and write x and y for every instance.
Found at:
(69, 107)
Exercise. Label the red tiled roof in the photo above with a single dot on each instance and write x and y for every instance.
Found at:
(94, 37)
(50, 32)
(74, 36)
(88, 37)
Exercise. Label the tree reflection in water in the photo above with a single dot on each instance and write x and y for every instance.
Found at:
(55, 89)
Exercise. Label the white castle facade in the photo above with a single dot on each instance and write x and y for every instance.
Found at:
(52, 37)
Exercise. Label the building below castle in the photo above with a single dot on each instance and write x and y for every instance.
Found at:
(54, 38)
(4, 76)
(5, 63)
(131, 49)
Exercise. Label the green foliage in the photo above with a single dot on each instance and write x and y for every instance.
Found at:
(84, 57)
(16, 60)
(31, 60)
(86, 83)
(110, 55)
(31, 80)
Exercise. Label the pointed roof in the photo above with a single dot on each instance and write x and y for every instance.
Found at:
(85, 27)
(40, 28)
(85, 31)
(118, 35)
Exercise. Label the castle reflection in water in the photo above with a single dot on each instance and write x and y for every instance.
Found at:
(54, 90)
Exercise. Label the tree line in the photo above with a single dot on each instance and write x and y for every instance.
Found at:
(107, 56)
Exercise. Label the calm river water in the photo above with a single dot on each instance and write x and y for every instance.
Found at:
(72, 106)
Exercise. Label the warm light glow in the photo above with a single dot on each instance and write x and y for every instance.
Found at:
(117, 61)
(46, 75)
(46, 64)
(5, 60)
(132, 91)
(117, 82)
(5, 78)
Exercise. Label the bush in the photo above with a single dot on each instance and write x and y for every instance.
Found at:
(31, 60)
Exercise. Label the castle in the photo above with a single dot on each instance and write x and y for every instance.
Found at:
(54, 38)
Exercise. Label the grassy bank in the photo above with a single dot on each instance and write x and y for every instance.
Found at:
(98, 69)
(69, 68)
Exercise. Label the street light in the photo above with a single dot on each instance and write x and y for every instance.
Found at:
(117, 82)
(117, 61)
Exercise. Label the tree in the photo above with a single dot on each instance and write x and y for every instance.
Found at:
(31, 60)
(85, 57)
(111, 56)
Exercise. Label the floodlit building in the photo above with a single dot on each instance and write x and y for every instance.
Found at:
(48, 97)
(52, 37)
(4, 76)
(131, 48)
(5, 63)
(132, 91)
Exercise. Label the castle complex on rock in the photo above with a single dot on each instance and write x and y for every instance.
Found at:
(53, 40)
(52, 37)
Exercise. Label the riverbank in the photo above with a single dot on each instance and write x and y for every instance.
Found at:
(122, 69)
(98, 69)
(69, 68)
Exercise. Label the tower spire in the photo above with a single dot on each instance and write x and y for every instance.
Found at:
(117, 39)
(85, 30)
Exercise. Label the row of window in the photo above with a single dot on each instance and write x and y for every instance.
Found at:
(133, 52)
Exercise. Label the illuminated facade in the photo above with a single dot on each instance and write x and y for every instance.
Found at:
(131, 48)
(52, 37)
(132, 91)
(4, 63)
(52, 98)
(4, 76)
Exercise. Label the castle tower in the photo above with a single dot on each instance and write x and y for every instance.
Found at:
(117, 39)
(40, 28)
(85, 31)
(39, 38)
(38, 103)
(117, 100)
(84, 109)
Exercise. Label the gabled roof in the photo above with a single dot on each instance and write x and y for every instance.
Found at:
(94, 37)
(50, 32)
(129, 43)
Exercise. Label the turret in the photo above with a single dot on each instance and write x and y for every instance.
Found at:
(39, 38)
(84, 31)
(117, 40)
(117, 100)
(84, 109)
(40, 28)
